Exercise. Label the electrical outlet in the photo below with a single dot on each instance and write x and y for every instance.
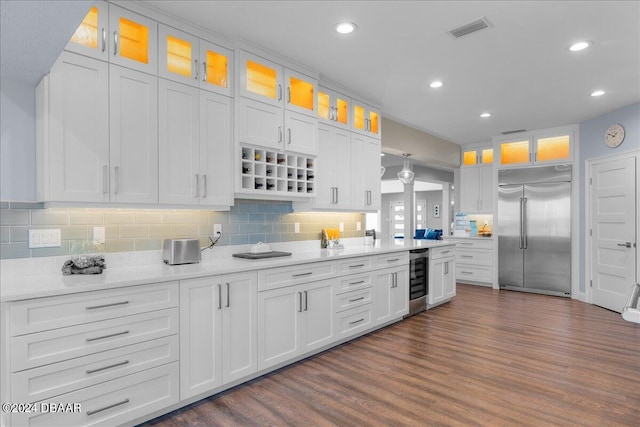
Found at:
(49, 238)
(358, 226)
(486, 223)
(98, 235)
(217, 229)
(342, 226)
(296, 227)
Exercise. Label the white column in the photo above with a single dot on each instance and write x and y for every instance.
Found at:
(409, 212)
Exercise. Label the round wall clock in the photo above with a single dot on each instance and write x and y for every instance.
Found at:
(614, 136)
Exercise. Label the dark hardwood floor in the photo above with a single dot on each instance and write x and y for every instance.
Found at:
(489, 358)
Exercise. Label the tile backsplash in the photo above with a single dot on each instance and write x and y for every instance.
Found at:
(249, 221)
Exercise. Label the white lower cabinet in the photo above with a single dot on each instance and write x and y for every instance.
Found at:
(391, 294)
(474, 260)
(294, 320)
(217, 331)
(442, 275)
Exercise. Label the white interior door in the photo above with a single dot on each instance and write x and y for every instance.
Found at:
(614, 252)
(397, 219)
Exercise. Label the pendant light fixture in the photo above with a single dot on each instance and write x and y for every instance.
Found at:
(406, 174)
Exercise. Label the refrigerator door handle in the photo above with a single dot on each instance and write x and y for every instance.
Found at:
(524, 222)
(520, 246)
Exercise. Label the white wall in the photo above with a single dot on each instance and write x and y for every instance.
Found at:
(17, 141)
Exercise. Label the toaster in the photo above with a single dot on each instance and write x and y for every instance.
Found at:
(181, 251)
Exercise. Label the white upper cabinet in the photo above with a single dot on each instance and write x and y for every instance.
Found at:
(195, 146)
(133, 135)
(476, 189)
(537, 147)
(334, 108)
(365, 172)
(187, 59)
(365, 119)
(91, 38)
(278, 106)
(334, 165)
(100, 144)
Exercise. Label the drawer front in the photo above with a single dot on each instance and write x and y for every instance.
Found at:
(437, 253)
(353, 299)
(113, 402)
(354, 282)
(52, 380)
(44, 314)
(352, 321)
(474, 244)
(355, 265)
(474, 257)
(474, 273)
(30, 351)
(391, 260)
(274, 278)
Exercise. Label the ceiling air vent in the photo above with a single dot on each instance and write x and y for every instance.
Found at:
(471, 27)
(510, 132)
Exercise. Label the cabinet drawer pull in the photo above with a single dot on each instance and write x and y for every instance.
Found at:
(393, 260)
(356, 266)
(445, 252)
(466, 256)
(115, 365)
(466, 272)
(107, 336)
(356, 299)
(466, 243)
(356, 321)
(113, 304)
(356, 283)
(302, 274)
(108, 407)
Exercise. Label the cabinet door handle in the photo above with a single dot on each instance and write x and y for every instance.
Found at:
(107, 407)
(105, 179)
(204, 71)
(357, 321)
(279, 92)
(95, 307)
(356, 299)
(197, 185)
(279, 134)
(288, 95)
(115, 365)
(197, 77)
(300, 301)
(337, 195)
(228, 294)
(107, 336)
(289, 132)
(302, 274)
(446, 267)
(116, 178)
(306, 301)
(204, 182)
(219, 296)
(115, 43)
(104, 39)
(334, 114)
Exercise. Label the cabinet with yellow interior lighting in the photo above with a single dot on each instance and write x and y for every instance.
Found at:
(538, 147)
(476, 180)
(193, 61)
(277, 106)
(366, 119)
(333, 108)
(114, 34)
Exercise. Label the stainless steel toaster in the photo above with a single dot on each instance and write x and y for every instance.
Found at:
(181, 251)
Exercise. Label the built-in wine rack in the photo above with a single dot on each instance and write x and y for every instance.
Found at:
(273, 172)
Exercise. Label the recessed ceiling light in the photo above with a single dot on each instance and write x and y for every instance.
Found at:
(579, 46)
(485, 115)
(381, 154)
(436, 84)
(346, 27)
(597, 93)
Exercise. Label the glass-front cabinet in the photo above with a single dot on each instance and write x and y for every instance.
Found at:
(365, 120)
(122, 37)
(481, 156)
(187, 59)
(548, 146)
(333, 108)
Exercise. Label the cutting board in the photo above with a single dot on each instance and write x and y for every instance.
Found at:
(261, 255)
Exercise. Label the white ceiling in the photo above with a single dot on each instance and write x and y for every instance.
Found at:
(520, 69)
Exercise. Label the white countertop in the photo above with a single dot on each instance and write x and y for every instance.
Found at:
(135, 268)
(467, 237)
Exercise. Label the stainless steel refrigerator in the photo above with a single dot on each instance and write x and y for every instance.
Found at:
(534, 229)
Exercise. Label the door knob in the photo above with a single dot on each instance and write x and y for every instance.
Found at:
(626, 244)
